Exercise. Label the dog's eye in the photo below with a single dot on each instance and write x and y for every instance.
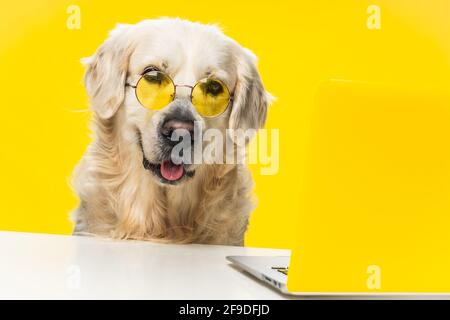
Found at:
(155, 77)
(149, 69)
(213, 87)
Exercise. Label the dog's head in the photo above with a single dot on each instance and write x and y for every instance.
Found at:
(187, 52)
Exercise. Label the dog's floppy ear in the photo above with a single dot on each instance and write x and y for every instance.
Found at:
(249, 110)
(107, 71)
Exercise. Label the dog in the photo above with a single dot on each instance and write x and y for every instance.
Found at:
(127, 185)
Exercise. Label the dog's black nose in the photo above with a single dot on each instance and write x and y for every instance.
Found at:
(185, 127)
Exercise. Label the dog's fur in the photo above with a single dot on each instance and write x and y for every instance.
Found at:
(118, 196)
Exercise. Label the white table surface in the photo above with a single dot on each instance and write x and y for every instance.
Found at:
(42, 266)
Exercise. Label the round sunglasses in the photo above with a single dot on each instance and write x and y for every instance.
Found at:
(156, 89)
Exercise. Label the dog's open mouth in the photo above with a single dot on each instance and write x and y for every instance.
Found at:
(171, 171)
(167, 171)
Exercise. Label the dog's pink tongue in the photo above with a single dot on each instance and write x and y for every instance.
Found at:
(171, 171)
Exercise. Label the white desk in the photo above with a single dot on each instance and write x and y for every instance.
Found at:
(65, 267)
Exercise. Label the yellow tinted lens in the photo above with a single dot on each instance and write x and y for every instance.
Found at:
(210, 97)
(155, 90)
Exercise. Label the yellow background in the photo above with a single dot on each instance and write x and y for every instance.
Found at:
(44, 129)
(376, 191)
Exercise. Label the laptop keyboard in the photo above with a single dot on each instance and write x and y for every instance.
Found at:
(283, 270)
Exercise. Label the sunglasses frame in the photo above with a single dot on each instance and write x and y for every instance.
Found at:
(175, 86)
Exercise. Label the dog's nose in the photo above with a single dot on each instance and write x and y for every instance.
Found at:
(186, 126)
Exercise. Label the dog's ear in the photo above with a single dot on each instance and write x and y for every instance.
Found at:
(107, 71)
(249, 110)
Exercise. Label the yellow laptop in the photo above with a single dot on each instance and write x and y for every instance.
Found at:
(375, 198)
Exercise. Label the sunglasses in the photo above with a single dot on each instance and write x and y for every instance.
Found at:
(155, 90)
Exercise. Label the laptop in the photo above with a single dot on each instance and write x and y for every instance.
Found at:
(375, 196)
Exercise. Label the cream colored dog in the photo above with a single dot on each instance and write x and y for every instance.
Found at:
(120, 183)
